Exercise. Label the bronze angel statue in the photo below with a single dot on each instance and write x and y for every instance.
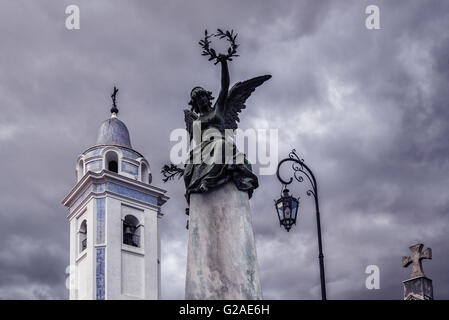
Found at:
(224, 114)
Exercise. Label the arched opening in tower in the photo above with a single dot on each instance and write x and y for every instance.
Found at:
(111, 161)
(131, 231)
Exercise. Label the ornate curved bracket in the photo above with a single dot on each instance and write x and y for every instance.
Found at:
(300, 170)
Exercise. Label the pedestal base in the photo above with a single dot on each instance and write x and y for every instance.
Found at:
(418, 289)
(221, 256)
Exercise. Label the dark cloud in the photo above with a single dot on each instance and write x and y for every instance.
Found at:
(366, 109)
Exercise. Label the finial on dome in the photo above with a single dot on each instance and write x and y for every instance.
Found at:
(114, 109)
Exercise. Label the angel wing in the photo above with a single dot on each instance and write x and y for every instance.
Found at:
(189, 117)
(237, 97)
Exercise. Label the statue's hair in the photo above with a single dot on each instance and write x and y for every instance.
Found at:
(195, 91)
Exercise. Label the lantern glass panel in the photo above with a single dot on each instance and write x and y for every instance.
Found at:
(294, 209)
(280, 210)
(286, 203)
(287, 212)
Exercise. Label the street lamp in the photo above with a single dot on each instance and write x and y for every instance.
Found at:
(287, 205)
(287, 209)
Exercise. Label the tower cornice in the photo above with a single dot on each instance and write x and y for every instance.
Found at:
(109, 182)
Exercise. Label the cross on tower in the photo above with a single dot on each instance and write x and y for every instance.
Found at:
(114, 108)
(415, 258)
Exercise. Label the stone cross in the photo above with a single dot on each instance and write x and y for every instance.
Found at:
(415, 258)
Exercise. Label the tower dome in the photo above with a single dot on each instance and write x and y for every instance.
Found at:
(113, 152)
(114, 132)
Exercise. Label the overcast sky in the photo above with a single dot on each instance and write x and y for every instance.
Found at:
(368, 110)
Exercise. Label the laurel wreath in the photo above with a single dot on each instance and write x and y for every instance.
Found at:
(208, 51)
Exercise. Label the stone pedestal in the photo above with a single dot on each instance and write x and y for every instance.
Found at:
(419, 288)
(221, 257)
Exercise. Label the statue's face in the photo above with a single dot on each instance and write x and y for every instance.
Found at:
(202, 101)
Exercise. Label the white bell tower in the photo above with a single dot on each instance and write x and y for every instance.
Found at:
(114, 215)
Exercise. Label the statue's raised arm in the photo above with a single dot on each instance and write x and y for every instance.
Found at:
(221, 100)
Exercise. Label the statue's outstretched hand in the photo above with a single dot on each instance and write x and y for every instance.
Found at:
(222, 58)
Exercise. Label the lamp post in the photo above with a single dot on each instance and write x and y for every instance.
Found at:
(287, 205)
